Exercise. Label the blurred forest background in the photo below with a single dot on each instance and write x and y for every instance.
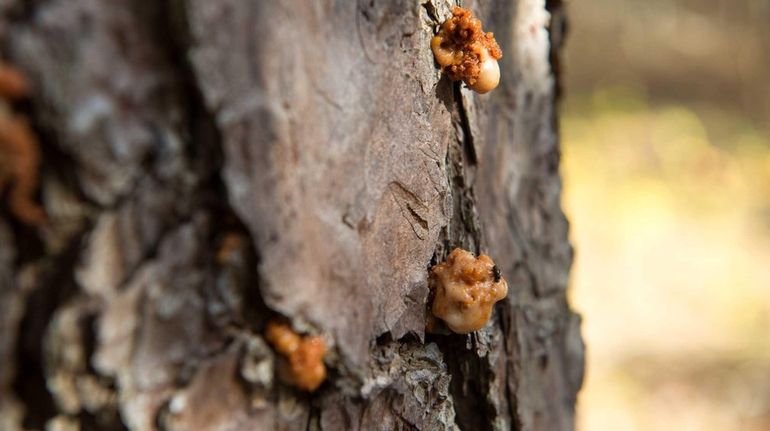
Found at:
(666, 142)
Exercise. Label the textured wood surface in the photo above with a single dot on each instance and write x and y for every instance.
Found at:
(210, 165)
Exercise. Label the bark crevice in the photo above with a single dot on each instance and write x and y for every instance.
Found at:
(53, 286)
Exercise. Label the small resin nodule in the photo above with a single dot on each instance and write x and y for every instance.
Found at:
(465, 290)
(19, 150)
(304, 355)
(466, 53)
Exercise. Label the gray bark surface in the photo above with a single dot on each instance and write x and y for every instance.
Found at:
(211, 165)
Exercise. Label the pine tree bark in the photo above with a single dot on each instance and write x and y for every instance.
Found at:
(211, 165)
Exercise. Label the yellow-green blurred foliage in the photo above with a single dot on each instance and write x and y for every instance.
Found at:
(667, 186)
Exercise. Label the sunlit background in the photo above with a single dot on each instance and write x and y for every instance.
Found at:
(666, 142)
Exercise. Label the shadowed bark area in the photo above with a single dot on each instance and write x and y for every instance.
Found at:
(210, 166)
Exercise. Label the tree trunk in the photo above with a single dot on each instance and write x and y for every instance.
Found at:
(211, 165)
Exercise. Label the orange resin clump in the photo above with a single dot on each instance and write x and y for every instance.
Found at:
(13, 84)
(465, 290)
(19, 151)
(304, 355)
(466, 53)
(19, 160)
(230, 243)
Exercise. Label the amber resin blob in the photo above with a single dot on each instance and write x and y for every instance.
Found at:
(465, 289)
(466, 53)
(304, 366)
(19, 150)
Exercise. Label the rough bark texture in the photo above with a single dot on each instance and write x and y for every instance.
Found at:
(210, 165)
